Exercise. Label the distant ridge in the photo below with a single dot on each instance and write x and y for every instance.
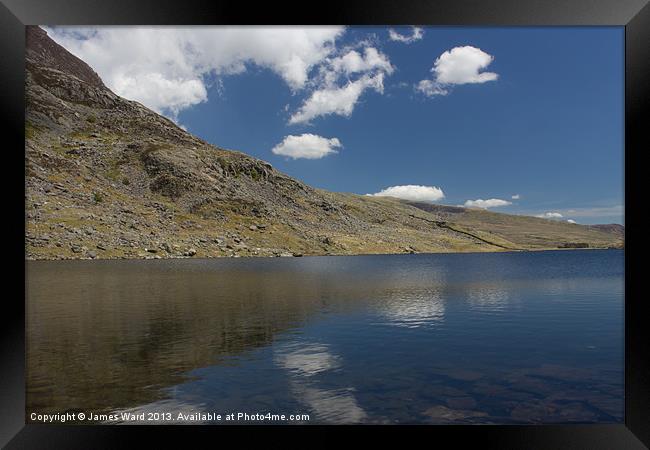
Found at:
(612, 228)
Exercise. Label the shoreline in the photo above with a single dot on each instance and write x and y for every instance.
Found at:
(300, 255)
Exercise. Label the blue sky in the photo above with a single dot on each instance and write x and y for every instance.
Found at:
(530, 112)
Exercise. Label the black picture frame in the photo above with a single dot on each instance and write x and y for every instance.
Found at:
(634, 15)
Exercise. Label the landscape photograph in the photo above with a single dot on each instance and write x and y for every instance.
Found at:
(303, 225)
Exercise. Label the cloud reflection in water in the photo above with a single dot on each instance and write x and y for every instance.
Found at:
(304, 363)
(415, 309)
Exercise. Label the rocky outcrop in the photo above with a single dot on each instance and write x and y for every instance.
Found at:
(43, 52)
(573, 245)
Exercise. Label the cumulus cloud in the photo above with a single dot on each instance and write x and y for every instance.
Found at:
(416, 34)
(337, 100)
(354, 62)
(341, 81)
(516, 197)
(485, 204)
(168, 68)
(460, 65)
(412, 192)
(571, 221)
(307, 146)
(550, 215)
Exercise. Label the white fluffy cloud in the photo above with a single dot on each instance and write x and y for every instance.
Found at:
(485, 204)
(412, 192)
(550, 215)
(460, 65)
(354, 62)
(337, 100)
(307, 146)
(571, 221)
(516, 197)
(165, 68)
(416, 34)
(337, 91)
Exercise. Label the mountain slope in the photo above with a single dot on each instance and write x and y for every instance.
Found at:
(108, 178)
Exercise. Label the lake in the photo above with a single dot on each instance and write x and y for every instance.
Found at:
(506, 338)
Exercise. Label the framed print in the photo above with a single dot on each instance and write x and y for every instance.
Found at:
(376, 218)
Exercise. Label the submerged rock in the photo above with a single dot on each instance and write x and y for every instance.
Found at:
(442, 414)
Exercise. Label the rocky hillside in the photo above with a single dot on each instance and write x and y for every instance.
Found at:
(108, 178)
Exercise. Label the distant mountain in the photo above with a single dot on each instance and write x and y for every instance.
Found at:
(108, 178)
(612, 228)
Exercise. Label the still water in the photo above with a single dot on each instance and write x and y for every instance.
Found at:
(456, 338)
